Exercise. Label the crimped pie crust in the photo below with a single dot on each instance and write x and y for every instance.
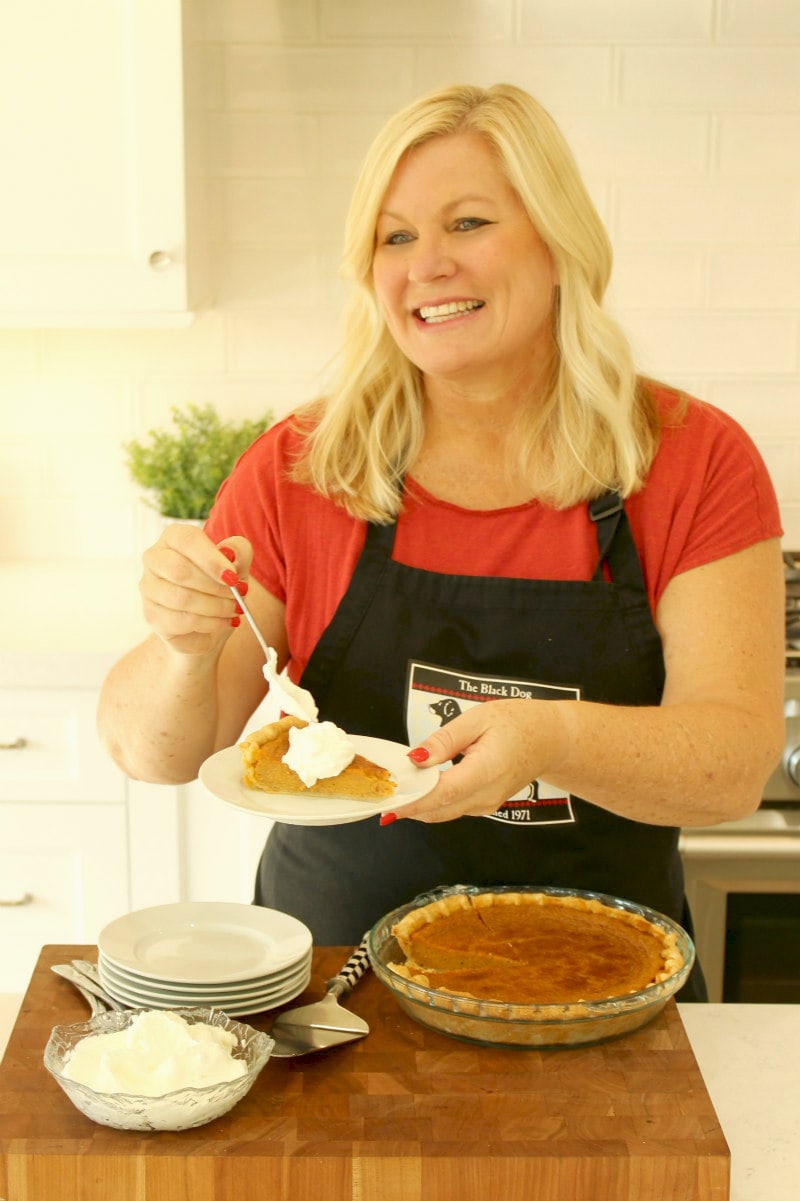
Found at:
(528, 948)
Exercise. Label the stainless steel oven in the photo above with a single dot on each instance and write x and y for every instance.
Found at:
(743, 878)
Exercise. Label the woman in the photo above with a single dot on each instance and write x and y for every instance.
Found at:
(493, 542)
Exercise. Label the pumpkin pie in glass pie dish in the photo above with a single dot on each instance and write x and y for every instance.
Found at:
(529, 966)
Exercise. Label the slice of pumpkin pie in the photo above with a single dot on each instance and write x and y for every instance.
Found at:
(295, 756)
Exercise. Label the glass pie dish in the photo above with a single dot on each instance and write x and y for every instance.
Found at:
(526, 1025)
(181, 1109)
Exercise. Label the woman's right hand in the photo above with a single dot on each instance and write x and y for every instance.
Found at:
(185, 600)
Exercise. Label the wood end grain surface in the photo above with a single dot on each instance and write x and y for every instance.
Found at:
(406, 1114)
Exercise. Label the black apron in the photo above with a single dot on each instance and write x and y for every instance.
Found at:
(408, 646)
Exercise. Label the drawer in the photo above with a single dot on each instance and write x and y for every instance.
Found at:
(49, 748)
(63, 876)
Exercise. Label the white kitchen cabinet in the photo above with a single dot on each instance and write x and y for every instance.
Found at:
(101, 206)
(186, 845)
(63, 876)
(80, 844)
(49, 750)
(63, 827)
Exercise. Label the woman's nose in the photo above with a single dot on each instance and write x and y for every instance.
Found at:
(430, 261)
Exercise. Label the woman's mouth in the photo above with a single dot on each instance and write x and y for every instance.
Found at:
(436, 313)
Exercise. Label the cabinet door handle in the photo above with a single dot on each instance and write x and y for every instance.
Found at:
(17, 745)
(25, 899)
(160, 260)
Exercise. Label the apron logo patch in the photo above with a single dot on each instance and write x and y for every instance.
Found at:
(436, 695)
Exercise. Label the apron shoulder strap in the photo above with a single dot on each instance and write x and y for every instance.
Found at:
(606, 512)
(615, 545)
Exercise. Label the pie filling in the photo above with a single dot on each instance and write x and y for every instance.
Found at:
(533, 948)
(263, 752)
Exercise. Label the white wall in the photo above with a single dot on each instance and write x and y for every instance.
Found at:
(684, 114)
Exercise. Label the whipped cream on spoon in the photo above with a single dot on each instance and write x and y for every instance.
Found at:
(289, 697)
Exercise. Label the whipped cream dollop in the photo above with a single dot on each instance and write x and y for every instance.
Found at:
(288, 697)
(157, 1053)
(318, 751)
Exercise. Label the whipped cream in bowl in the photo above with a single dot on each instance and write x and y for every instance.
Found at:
(156, 1069)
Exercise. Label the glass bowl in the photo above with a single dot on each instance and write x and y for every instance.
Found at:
(525, 1026)
(179, 1110)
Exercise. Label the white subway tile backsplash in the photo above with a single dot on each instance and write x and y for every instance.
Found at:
(616, 20)
(790, 517)
(658, 277)
(248, 21)
(66, 475)
(416, 20)
(623, 144)
(18, 351)
(318, 80)
(752, 78)
(564, 79)
(763, 278)
(762, 406)
(759, 20)
(48, 406)
(246, 144)
(282, 342)
(707, 212)
(765, 145)
(273, 277)
(237, 397)
(344, 140)
(709, 343)
(199, 346)
(254, 212)
(783, 463)
(71, 528)
(21, 468)
(684, 116)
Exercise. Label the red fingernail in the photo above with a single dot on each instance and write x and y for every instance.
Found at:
(419, 755)
(238, 608)
(388, 818)
(230, 578)
(243, 587)
(236, 621)
(228, 552)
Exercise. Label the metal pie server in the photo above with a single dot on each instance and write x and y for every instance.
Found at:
(324, 1023)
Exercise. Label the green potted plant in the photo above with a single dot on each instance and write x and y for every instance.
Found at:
(184, 468)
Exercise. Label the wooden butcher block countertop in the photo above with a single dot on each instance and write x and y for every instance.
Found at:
(406, 1114)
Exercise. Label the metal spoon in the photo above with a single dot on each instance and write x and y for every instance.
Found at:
(249, 616)
(82, 985)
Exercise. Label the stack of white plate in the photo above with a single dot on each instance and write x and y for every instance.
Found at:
(240, 958)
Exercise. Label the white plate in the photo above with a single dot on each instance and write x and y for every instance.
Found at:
(234, 1006)
(222, 776)
(204, 942)
(233, 1003)
(189, 993)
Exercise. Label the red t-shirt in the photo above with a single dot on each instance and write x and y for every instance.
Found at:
(707, 495)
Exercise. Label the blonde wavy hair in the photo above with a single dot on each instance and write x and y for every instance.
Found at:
(595, 429)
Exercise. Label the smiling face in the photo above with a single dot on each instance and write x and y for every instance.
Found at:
(465, 283)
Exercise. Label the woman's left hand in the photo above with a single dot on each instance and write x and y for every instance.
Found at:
(502, 744)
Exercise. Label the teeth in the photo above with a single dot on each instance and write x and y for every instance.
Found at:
(443, 312)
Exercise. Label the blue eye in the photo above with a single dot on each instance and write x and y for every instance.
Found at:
(397, 239)
(467, 223)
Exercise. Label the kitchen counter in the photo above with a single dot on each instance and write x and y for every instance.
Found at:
(749, 1057)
